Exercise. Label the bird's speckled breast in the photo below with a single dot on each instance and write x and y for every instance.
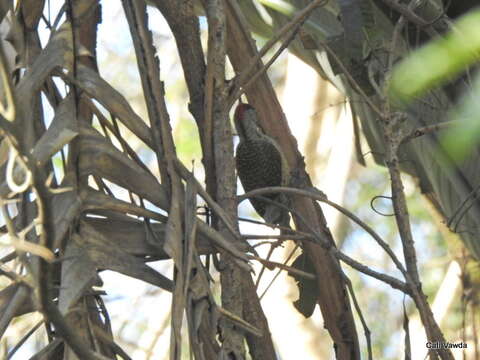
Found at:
(259, 165)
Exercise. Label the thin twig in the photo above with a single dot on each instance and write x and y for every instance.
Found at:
(322, 198)
(366, 330)
(428, 129)
(392, 135)
(262, 270)
(277, 237)
(24, 339)
(247, 78)
(241, 83)
(239, 321)
(219, 211)
(407, 12)
(279, 271)
(393, 282)
(297, 19)
(274, 264)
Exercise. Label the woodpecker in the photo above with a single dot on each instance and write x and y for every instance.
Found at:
(260, 163)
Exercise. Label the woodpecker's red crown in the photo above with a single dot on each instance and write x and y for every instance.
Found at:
(240, 110)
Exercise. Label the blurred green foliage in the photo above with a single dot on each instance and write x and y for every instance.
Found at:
(438, 61)
(460, 139)
(436, 64)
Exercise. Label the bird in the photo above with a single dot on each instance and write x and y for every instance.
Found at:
(260, 163)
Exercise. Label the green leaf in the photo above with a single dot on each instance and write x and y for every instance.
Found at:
(438, 61)
(460, 140)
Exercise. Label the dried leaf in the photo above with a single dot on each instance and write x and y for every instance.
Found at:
(66, 207)
(113, 101)
(105, 254)
(62, 130)
(78, 275)
(190, 229)
(198, 313)
(57, 53)
(4, 150)
(31, 12)
(52, 351)
(93, 201)
(133, 236)
(7, 295)
(4, 7)
(307, 288)
(99, 157)
(218, 240)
